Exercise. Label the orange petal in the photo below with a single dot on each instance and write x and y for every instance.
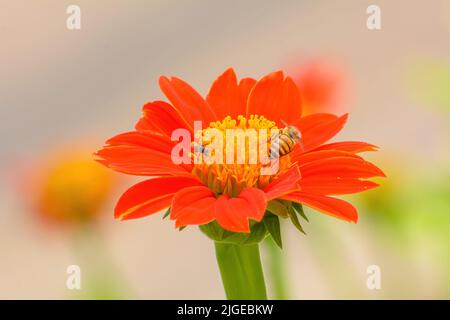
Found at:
(245, 86)
(193, 206)
(318, 128)
(311, 156)
(150, 196)
(186, 100)
(150, 140)
(275, 97)
(286, 183)
(335, 186)
(257, 201)
(161, 117)
(311, 121)
(349, 146)
(185, 198)
(331, 206)
(233, 214)
(141, 161)
(225, 96)
(341, 167)
(201, 212)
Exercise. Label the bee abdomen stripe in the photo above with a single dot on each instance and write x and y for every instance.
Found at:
(287, 140)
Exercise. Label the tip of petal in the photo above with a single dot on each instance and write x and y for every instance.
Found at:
(371, 147)
(276, 74)
(98, 158)
(163, 79)
(344, 117)
(119, 215)
(382, 174)
(229, 70)
(165, 82)
(178, 224)
(378, 171)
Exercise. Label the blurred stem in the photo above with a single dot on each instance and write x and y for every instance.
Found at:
(277, 270)
(100, 276)
(241, 271)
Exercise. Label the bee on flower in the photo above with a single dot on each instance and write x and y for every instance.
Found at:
(235, 196)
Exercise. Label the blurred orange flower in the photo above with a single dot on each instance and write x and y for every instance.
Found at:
(233, 194)
(71, 188)
(323, 84)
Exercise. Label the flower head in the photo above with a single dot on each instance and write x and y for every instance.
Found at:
(71, 189)
(233, 194)
(324, 86)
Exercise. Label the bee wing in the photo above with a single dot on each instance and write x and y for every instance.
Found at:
(299, 133)
(300, 142)
(198, 148)
(274, 135)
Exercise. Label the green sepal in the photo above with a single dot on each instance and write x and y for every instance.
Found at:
(299, 209)
(215, 232)
(166, 214)
(294, 219)
(278, 208)
(181, 228)
(272, 223)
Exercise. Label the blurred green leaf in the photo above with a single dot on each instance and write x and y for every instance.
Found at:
(429, 81)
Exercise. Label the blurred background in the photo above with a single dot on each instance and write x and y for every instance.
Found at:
(63, 92)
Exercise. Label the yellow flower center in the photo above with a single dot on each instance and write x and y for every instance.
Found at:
(231, 155)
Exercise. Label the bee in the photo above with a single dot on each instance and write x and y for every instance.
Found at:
(284, 141)
(201, 150)
(198, 148)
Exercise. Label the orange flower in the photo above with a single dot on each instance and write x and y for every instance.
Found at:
(233, 194)
(70, 188)
(324, 86)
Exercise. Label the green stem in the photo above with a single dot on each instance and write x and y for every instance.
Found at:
(101, 278)
(241, 271)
